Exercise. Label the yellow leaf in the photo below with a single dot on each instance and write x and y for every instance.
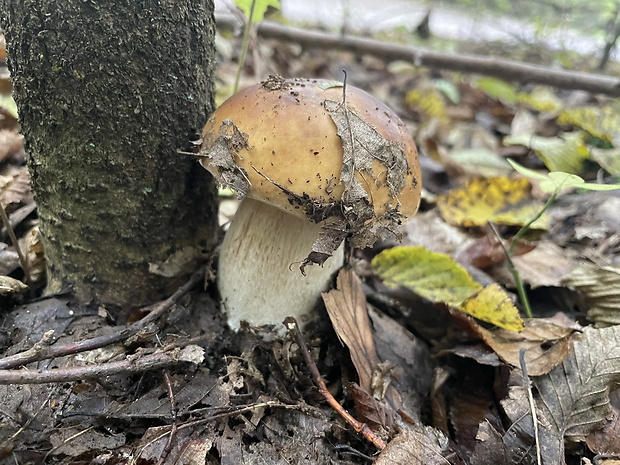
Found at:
(601, 122)
(541, 99)
(429, 102)
(493, 305)
(500, 200)
(439, 279)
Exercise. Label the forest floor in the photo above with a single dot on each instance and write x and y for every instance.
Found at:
(439, 381)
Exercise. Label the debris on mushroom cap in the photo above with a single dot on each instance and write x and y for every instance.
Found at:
(319, 149)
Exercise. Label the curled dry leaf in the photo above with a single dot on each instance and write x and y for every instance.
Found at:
(546, 344)
(15, 185)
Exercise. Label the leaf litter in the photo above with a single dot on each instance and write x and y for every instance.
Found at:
(257, 403)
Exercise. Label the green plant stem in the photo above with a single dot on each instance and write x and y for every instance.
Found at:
(245, 44)
(525, 301)
(525, 228)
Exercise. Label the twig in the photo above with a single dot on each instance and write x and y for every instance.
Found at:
(530, 398)
(487, 65)
(173, 412)
(20, 254)
(362, 428)
(137, 364)
(41, 351)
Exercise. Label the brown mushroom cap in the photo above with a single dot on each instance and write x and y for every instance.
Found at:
(306, 147)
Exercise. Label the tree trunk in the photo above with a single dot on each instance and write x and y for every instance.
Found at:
(108, 93)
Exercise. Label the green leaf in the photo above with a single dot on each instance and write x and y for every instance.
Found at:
(556, 181)
(564, 153)
(260, 7)
(449, 90)
(498, 89)
(438, 278)
(434, 276)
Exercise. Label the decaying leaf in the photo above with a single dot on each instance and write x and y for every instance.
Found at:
(500, 200)
(546, 344)
(415, 446)
(607, 439)
(10, 286)
(346, 306)
(15, 185)
(35, 255)
(574, 396)
(601, 285)
(362, 144)
(438, 278)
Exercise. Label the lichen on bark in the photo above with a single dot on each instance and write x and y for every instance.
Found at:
(108, 93)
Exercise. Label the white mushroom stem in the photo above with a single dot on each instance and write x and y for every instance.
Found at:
(258, 275)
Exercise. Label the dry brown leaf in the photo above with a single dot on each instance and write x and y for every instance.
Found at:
(15, 185)
(607, 439)
(545, 265)
(545, 342)
(415, 446)
(10, 285)
(346, 306)
(35, 256)
(574, 396)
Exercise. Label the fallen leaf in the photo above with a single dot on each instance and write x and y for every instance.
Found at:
(574, 396)
(10, 286)
(546, 344)
(498, 89)
(415, 446)
(492, 304)
(602, 122)
(499, 200)
(545, 265)
(601, 285)
(609, 159)
(438, 278)
(566, 152)
(346, 306)
(15, 185)
(607, 440)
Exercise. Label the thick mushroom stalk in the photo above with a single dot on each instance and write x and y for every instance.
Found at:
(316, 163)
(258, 274)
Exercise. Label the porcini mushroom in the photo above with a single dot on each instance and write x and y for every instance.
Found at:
(315, 162)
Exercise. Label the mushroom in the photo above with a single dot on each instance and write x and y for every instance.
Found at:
(315, 162)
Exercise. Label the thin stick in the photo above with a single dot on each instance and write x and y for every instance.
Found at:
(43, 351)
(244, 45)
(362, 428)
(173, 411)
(138, 364)
(20, 254)
(530, 398)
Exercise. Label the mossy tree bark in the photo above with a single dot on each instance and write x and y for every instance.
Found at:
(108, 93)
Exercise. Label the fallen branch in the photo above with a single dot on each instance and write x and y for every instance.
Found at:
(133, 364)
(362, 428)
(509, 70)
(43, 351)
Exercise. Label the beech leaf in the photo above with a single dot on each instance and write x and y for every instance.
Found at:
(438, 278)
